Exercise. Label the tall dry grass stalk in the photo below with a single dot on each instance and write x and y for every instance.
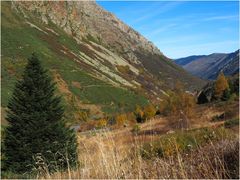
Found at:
(116, 156)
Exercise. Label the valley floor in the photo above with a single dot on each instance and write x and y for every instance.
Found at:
(208, 149)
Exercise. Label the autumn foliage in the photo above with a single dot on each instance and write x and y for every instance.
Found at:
(221, 85)
(139, 114)
(143, 114)
(121, 119)
(101, 123)
(179, 105)
(149, 111)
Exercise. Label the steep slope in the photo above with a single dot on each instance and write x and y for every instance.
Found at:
(208, 67)
(100, 64)
(187, 60)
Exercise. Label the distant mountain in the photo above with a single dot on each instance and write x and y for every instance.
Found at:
(209, 66)
(187, 60)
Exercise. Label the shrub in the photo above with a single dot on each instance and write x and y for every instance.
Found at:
(101, 123)
(149, 111)
(139, 115)
(121, 119)
(123, 69)
(231, 123)
(136, 129)
(82, 116)
(220, 117)
(178, 104)
(226, 94)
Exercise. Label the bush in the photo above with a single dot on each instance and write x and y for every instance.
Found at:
(82, 116)
(176, 103)
(121, 119)
(231, 123)
(136, 129)
(233, 97)
(139, 115)
(149, 111)
(124, 69)
(220, 117)
(226, 95)
(101, 123)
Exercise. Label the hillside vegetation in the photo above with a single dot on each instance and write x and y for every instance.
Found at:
(96, 74)
(120, 109)
(19, 40)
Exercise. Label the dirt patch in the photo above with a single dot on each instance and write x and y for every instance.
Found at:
(3, 116)
(76, 84)
(72, 99)
(62, 85)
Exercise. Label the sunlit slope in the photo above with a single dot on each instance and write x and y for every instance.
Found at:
(79, 86)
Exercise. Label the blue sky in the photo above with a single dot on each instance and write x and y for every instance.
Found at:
(182, 28)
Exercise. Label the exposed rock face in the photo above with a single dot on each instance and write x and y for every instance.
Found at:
(207, 93)
(81, 18)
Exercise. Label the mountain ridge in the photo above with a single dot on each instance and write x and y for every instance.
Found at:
(95, 58)
(209, 66)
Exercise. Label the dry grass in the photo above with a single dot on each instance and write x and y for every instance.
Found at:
(117, 154)
(110, 155)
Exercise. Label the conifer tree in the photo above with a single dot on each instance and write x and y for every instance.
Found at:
(36, 130)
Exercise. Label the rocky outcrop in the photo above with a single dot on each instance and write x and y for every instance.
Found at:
(206, 94)
(85, 18)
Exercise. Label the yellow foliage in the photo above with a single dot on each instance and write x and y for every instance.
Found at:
(102, 123)
(121, 119)
(138, 111)
(149, 111)
(82, 116)
(220, 86)
(177, 103)
(123, 69)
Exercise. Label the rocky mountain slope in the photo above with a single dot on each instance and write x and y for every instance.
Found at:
(187, 60)
(209, 66)
(101, 65)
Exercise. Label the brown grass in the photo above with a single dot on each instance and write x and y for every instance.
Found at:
(103, 159)
(116, 155)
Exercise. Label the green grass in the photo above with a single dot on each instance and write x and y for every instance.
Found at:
(19, 40)
(183, 141)
(231, 123)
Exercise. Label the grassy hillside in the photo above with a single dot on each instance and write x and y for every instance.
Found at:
(19, 40)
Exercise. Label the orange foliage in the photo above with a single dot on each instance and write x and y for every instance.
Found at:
(121, 119)
(220, 86)
(102, 123)
(176, 103)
